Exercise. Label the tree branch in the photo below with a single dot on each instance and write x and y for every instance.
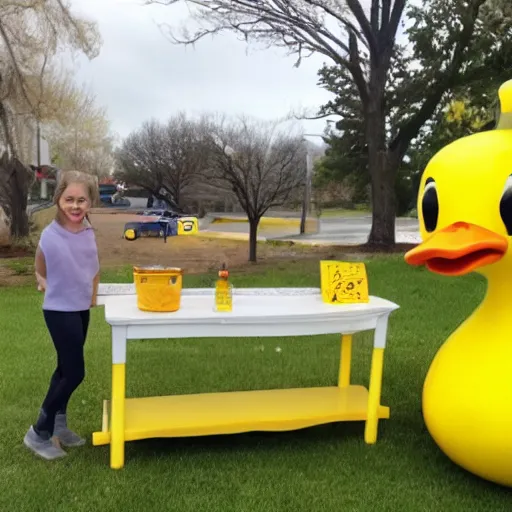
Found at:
(275, 21)
(14, 63)
(389, 34)
(357, 10)
(374, 16)
(444, 81)
(355, 69)
(384, 22)
(342, 19)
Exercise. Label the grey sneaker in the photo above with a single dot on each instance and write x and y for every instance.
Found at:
(66, 436)
(43, 447)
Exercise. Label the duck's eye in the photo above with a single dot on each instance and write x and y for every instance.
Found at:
(430, 205)
(506, 206)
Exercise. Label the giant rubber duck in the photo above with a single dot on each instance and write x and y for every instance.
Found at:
(465, 215)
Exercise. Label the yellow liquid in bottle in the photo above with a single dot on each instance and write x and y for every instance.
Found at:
(223, 297)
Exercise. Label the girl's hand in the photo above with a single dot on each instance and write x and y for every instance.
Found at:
(41, 283)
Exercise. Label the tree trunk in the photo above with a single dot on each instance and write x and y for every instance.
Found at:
(383, 168)
(253, 237)
(14, 185)
(383, 176)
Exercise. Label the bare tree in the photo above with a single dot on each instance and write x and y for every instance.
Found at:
(351, 35)
(32, 32)
(80, 137)
(259, 163)
(359, 36)
(159, 156)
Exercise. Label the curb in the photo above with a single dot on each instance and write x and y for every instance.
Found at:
(269, 221)
(40, 207)
(228, 236)
(264, 220)
(244, 237)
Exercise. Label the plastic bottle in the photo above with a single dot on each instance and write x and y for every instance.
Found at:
(223, 291)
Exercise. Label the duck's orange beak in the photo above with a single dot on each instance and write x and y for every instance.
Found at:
(458, 249)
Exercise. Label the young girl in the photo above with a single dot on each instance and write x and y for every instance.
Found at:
(67, 270)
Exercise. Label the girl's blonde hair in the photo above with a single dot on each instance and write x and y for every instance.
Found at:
(74, 177)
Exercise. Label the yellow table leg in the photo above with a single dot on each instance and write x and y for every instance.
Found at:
(345, 361)
(370, 432)
(117, 416)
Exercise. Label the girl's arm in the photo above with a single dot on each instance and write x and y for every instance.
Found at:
(96, 279)
(40, 265)
(95, 284)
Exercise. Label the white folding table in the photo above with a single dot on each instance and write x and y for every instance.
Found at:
(256, 312)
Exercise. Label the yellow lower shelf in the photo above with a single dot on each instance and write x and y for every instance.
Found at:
(237, 412)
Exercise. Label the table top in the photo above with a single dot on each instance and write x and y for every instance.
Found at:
(250, 306)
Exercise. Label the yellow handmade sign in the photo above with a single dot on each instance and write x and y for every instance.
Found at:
(343, 282)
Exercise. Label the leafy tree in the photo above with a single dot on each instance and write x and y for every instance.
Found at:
(32, 32)
(462, 116)
(450, 44)
(80, 138)
(346, 159)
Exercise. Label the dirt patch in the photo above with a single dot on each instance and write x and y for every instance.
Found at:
(193, 254)
(15, 252)
(8, 277)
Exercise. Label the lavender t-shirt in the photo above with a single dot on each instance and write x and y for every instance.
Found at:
(71, 265)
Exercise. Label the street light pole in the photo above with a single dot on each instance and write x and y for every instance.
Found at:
(306, 202)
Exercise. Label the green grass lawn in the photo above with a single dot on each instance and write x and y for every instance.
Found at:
(328, 468)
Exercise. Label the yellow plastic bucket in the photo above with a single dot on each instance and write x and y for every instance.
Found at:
(158, 288)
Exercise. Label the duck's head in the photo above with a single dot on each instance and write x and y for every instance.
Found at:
(465, 203)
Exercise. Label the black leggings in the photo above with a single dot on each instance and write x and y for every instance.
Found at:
(68, 331)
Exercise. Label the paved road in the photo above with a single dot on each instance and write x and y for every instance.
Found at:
(138, 202)
(357, 229)
(342, 230)
(31, 207)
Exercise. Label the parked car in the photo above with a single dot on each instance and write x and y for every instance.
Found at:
(107, 191)
(160, 226)
(160, 213)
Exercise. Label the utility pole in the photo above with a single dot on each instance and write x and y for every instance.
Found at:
(44, 185)
(38, 134)
(306, 202)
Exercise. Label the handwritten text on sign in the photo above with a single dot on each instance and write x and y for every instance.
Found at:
(343, 282)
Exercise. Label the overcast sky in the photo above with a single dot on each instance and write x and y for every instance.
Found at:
(140, 74)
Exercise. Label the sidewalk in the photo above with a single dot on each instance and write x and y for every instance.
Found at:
(401, 238)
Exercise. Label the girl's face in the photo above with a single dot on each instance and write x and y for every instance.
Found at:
(75, 203)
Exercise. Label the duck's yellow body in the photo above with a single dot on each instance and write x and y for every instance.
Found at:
(465, 213)
(467, 398)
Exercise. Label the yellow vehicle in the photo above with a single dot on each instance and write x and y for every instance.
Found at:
(161, 226)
